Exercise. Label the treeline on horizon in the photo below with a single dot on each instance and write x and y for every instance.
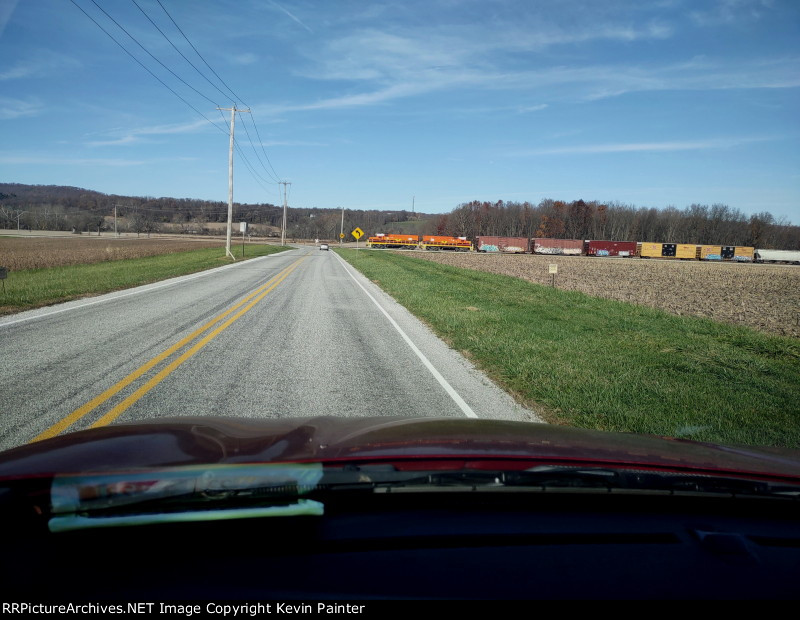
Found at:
(56, 207)
(698, 224)
(53, 207)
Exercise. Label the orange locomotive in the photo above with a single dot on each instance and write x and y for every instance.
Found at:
(394, 241)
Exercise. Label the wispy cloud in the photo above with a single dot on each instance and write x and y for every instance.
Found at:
(133, 136)
(531, 108)
(278, 6)
(68, 161)
(12, 159)
(638, 147)
(18, 108)
(6, 9)
(246, 58)
(725, 12)
(41, 64)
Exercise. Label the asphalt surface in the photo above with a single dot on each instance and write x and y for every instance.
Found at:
(313, 337)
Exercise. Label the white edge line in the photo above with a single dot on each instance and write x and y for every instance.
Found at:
(144, 288)
(436, 374)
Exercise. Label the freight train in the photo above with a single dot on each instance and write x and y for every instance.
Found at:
(593, 247)
(588, 247)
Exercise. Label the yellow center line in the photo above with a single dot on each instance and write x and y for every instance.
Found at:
(81, 411)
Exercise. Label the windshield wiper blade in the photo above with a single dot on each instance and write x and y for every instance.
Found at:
(563, 477)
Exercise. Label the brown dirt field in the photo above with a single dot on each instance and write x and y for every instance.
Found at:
(766, 297)
(18, 253)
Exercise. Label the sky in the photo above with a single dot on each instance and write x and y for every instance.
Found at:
(388, 105)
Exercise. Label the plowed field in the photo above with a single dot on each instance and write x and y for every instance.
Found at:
(766, 297)
(39, 252)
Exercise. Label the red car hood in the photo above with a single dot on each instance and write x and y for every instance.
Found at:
(207, 440)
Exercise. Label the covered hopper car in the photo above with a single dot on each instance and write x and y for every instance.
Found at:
(777, 256)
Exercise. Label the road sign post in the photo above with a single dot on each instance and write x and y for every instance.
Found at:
(357, 233)
(553, 270)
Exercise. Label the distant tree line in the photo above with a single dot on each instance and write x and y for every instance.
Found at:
(54, 207)
(700, 224)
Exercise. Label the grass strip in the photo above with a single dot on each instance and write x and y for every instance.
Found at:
(601, 364)
(33, 288)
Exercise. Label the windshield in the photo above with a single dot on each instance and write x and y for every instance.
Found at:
(527, 245)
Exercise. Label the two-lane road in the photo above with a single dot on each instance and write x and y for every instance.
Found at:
(293, 334)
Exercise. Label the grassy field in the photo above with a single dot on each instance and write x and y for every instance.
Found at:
(603, 364)
(766, 297)
(32, 288)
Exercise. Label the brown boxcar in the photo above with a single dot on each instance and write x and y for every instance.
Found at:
(610, 248)
(510, 245)
(557, 246)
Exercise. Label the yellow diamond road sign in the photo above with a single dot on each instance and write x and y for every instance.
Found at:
(357, 233)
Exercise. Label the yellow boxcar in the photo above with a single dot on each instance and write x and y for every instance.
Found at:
(686, 250)
(744, 254)
(651, 250)
(710, 252)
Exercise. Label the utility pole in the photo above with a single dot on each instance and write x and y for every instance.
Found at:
(341, 230)
(115, 221)
(19, 215)
(412, 206)
(228, 252)
(283, 228)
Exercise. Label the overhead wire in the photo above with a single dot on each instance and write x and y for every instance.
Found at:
(151, 55)
(273, 174)
(203, 75)
(146, 68)
(236, 96)
(201, 56)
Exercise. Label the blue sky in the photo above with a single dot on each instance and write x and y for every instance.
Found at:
(367, 104)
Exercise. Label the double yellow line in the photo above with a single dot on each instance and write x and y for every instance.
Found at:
(242, 306)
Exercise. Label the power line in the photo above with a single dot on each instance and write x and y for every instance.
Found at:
(275, 179)
(261, 142)
(201, 56)
(141, 64)
(252, 117)
(151, 55)
(203, 75)
(251, 168)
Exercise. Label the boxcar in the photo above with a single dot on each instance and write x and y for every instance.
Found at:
(510, 245)
(572, 247)
(610, 248)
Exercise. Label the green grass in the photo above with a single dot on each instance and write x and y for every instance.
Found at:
(33, 288)
(601, 364)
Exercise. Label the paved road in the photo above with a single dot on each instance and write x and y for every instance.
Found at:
(294, 334)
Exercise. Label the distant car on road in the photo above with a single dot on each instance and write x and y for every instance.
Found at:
(323, 246)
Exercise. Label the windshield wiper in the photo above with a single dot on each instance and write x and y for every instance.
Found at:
(563, 477)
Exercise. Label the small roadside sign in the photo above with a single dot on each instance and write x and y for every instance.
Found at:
(553, 269)
(341, 235)
(357, 233)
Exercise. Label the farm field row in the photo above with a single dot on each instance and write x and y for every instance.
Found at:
(18, 253)
(765, 297)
